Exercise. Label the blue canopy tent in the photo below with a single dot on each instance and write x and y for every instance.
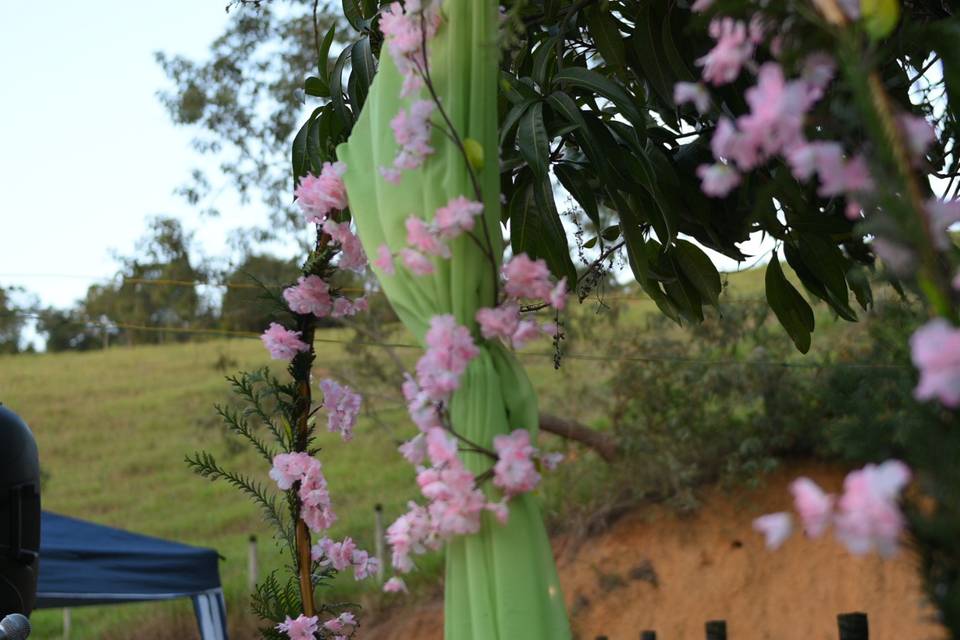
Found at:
(82, 563)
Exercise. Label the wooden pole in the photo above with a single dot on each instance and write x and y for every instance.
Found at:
(378, 540)
(717, 630)
(253, 568)
(853, 626)
(67, 623)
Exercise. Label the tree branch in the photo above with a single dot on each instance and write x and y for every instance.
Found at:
(605, 446)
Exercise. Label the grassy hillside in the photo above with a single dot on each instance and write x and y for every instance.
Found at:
(114, 426)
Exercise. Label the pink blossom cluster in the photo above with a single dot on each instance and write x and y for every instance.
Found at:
(866, 517)
(343, 555)
(311, 295)
(734, 48)
(343, 406)
(341, 624)
(301, 628)
(524, 278)
(315, 509)
(430, 239)
(450, 349)
(395, 585)
(351, 251)
(411, 130)
(283, 343)
(515, 471)
(318, 196)
(405, 27)
(935, 350)
(454, 501)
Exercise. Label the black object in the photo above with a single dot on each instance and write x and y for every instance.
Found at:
(14, 627)
(648, 635)
(853, 626)
(19, 515)
(717, 630)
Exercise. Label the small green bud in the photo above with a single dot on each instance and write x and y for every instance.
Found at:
(474, 152)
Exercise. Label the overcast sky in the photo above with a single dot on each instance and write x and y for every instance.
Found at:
(87, 153)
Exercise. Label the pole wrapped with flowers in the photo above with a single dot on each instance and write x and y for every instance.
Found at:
(422, 178)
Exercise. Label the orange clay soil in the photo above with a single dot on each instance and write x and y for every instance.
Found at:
(655, 570)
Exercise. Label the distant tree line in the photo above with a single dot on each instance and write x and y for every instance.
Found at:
(152, 299)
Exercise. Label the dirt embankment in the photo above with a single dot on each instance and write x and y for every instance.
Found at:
(654, 570)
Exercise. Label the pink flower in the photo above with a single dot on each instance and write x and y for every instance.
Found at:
(412, 133)
(395, 585)
(558, 295)
(341, 622)
(942, 215)
(935, 350)
(414, 450)
(315, 508)
(775, 121)
(514, 471)
(310, 295)
(342, 405)
(527, 330)
(364, 565)
(701, 5)
(718, 180)
(391, 175)
(813, 505)
(404, 34)
(408, 534)
(869, 517)
(450, 348)
(345, 308)
(818, 71)
(695, 92)
(303, 628)
(384, 260)
(499, 510)
(733, 49)
(725, 140)
(422, 238)
(318, 196)
(776, 528)
(456, 217)
(551, 461)
(422, 410)
(351, 251)
(289, 468)
(526, 278)
(282, 343)
(441, 447)
(416, 262)
(807, 158)
(338, 555)
(851, 8)
(499, 322)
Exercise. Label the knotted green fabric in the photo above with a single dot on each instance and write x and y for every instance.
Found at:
(501, 584)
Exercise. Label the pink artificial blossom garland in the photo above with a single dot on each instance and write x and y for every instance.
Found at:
(283, 343)
(318, 196)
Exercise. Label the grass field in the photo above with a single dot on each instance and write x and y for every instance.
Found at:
(114, 426)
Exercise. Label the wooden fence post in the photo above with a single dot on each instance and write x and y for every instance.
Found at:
(853, 626)
(378, 540)
(716, 630)
(252, 564)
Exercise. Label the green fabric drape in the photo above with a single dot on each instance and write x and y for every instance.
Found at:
(500, 583)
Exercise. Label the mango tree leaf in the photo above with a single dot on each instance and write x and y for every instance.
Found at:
(597, 83)
(606, 35)
(575, 182)
(793, 312)
(533, 142)
(697, 267)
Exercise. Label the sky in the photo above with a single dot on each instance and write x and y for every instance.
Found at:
(87, 152)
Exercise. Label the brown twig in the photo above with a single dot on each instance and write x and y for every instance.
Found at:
(605, 445)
